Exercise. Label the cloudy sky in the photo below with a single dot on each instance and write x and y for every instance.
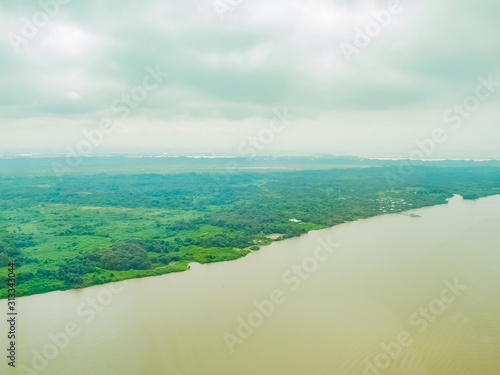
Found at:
(355, 77)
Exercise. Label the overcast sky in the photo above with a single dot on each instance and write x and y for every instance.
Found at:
(231, 67)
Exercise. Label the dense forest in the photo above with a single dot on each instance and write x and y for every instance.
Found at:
(87, 229)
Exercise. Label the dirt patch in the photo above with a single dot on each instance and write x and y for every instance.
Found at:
(274, 236)
(105, 208)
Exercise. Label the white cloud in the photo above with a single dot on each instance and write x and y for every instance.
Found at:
(67, 41)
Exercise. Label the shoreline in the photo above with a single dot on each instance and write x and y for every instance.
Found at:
(255, 251)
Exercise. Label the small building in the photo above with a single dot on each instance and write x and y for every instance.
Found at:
(295, 220)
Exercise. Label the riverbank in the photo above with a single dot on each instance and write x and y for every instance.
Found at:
(340, 314)
(141, 226)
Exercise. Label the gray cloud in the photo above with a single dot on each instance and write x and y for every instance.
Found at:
(230, 74)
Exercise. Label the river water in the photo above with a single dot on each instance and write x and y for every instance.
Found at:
(392, 294)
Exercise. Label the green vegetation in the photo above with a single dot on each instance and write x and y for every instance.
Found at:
(82, 230)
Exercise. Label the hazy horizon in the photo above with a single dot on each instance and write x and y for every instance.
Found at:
(48, 153)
